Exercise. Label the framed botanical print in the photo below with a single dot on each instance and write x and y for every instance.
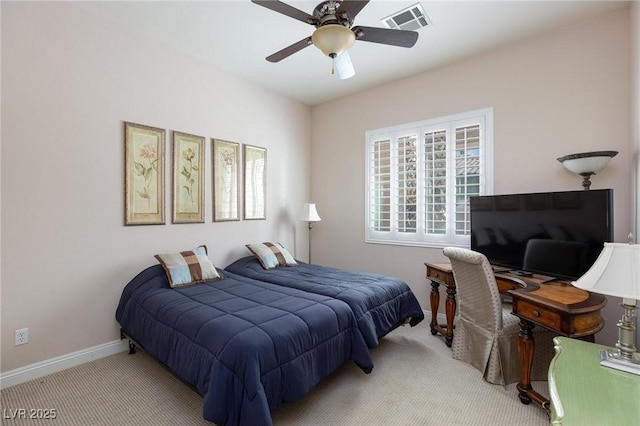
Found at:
(226, 180)
(188, 178)
(144, 174)
(255, 182)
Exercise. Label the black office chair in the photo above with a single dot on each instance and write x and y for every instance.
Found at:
(566, 258)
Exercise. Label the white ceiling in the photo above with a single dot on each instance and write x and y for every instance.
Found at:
(236, 36)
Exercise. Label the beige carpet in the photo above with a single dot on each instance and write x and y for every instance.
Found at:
(414, 382)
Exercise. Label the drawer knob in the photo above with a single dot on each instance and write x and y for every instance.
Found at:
(536, 314)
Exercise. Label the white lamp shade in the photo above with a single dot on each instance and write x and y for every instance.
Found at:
(587, 162)
(616, 272)
(309, 213)
(344, 66)
(333, 39)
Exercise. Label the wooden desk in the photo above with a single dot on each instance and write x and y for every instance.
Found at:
(584, 392)
(440, 273)
(555, 305)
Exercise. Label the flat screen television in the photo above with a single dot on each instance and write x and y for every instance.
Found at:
(556, 234)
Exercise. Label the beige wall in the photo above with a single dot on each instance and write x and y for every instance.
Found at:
(635, 112)
(635, 117)
(560, 93)
(68, 83)
(69, 80)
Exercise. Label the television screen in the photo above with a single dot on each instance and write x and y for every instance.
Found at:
(557, 234)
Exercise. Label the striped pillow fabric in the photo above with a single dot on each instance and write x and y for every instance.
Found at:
(188, 267)
(272, 255)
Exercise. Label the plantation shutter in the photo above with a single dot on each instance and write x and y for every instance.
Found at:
(420, 177)
(467, 171)
(380, 188)
(406, 186)
(435, 166)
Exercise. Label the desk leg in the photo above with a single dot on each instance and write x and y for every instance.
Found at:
(526, 350)
(434, 297)
(450, 310)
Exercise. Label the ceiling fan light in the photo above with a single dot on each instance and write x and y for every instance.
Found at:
(333, 39)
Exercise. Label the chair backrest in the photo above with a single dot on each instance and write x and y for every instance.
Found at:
(477, 293)
(566, 258)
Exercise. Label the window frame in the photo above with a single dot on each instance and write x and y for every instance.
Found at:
(449, 123)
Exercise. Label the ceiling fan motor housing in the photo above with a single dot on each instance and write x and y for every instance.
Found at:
(328, 13)
(333, 34)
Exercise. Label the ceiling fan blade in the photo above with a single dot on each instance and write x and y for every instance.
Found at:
(290, 50)
(352, 7)
(285, 9)
(344, 66)
(399, 38)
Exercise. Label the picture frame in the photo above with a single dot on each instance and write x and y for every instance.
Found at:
(226, 180)
(255, 182)
(144, 148)
(188, 178)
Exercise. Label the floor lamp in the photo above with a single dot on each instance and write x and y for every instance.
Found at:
(586, 164)
(310, 214)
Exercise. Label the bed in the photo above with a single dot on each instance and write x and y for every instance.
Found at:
(246, 346)
(380, 303)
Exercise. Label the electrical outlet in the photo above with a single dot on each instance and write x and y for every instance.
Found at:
(22, 336)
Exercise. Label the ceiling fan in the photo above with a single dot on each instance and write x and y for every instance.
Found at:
(334, 33)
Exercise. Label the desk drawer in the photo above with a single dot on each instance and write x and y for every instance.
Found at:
(440, 277)
(538, 315)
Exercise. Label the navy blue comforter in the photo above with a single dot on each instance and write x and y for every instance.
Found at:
(380, 303)
(246, 346)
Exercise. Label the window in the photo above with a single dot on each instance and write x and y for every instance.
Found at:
(420, 177)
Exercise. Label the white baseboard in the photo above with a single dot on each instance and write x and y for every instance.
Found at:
(442, 318)
(53, 365)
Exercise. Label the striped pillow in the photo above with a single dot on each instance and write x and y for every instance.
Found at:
(272, 255)
(188, 267)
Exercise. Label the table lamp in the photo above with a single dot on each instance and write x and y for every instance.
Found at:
(310, 214)
(616, 272)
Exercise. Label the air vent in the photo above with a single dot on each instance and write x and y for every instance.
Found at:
(410, 19)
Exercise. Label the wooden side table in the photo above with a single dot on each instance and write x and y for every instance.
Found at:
(585, 393)
(442, 274)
